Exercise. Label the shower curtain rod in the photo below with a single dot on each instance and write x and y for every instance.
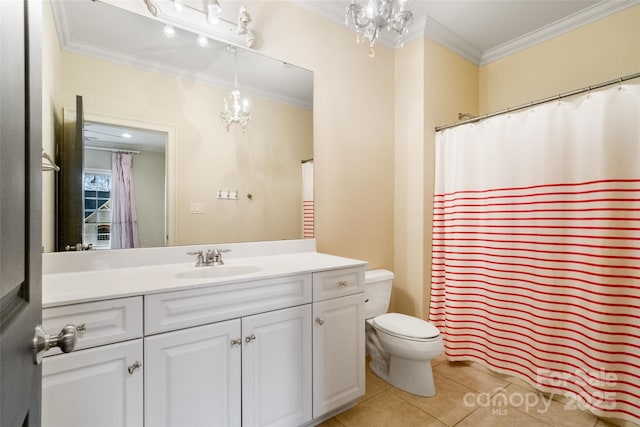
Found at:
(541, 101)
(113, 150)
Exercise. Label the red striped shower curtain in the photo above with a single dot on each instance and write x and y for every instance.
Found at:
(536, 247)
(307, 200)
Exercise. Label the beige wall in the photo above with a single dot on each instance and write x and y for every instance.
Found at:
(149, 186)
(432, 84)
(602, 50)
(409, 169)
(353, 128)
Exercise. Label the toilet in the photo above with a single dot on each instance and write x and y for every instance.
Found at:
(401, 347)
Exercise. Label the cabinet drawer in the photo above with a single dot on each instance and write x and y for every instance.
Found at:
(337, 283)
(105, 322)
(183, 309)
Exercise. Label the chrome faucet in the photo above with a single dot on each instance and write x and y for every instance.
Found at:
(213, 257)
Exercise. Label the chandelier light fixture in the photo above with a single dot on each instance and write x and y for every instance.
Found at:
(213, 11)
(183, 14)
(236, 108)
(369, 17)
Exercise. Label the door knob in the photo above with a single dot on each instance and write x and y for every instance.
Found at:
(66, 341)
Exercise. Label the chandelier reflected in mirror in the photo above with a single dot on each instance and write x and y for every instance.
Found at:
(236, 108)
(369, 17)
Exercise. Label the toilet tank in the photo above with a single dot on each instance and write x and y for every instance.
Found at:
(377, 292)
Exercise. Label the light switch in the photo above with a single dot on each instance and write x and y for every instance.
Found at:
(196, 208)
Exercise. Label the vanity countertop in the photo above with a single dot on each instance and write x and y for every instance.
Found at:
(83, 286)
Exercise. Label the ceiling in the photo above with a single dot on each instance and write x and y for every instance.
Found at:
(98, 29)
(101, 135)
(485, 30)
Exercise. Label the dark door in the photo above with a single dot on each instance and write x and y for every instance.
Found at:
(20, 210)
(70, 200)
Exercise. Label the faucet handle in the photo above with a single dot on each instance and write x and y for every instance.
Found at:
(200, 262)
(217, 256)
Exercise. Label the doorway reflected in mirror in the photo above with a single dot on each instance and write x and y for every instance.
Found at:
(148, 148)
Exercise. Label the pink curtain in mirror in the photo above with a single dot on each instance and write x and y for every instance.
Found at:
(124, 223)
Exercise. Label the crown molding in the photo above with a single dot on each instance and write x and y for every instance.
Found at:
(67, 43)
(428, 27)
(447, 38)
(571, 22)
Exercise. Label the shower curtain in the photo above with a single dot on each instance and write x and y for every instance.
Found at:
(307, 200)
(536, 247)
(124, 222)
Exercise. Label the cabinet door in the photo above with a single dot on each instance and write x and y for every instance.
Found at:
(338, 352)
(192, 377)
(276, 368)
(93, 387)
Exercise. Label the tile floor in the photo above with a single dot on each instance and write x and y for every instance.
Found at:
(460, 388)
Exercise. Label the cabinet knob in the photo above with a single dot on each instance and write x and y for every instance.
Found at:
(134, 367)
(250, 338)
(343, 283)
(319, 321)
(236, 342)
(66, 341)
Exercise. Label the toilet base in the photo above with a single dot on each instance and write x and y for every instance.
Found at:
(379, 370)
(412, 376)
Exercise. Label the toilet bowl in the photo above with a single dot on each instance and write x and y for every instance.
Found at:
(401, 347)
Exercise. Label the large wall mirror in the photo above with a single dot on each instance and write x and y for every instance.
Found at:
(159, 99)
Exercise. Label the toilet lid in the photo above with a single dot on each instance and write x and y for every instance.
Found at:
(405, 326)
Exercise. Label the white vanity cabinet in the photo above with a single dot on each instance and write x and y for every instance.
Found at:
(276, 368)
(281, 347)
(338, 339)
(199, 376)
(101, 384)
(193, 376)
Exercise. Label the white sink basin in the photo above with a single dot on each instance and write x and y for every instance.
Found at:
(217, 271)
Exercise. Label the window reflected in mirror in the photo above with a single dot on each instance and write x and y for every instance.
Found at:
(97, 209)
